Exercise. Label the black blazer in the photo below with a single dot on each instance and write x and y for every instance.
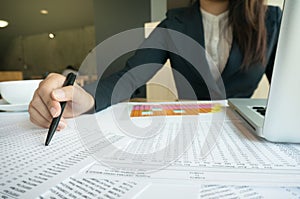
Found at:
(147, 61)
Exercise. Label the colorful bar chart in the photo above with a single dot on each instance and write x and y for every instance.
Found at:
(144, 110)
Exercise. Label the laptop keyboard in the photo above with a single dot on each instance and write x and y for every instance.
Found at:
(260, 109)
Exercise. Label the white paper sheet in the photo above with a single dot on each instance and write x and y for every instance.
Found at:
(179, 191)
(226, 192)
(28, 167)
(236, 156)
(91, 188)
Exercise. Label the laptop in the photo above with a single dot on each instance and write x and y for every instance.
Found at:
(277, 118)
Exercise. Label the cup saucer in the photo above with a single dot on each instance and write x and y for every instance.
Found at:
(4, 106)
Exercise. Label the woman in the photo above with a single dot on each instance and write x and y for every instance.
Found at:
(239, 35)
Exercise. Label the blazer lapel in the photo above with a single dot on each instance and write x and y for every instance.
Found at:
(195, 29)
(234, 61)
(194, 24)
(196, 32)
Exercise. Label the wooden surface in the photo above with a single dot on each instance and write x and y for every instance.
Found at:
(10, 75)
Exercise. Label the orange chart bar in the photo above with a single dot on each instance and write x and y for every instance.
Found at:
(174, 109)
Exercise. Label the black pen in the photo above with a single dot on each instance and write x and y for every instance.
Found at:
(70, 79)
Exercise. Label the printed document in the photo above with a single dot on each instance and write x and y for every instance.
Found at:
(109, 155)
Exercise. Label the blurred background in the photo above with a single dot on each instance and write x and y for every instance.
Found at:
(48, 35)
(45, 36)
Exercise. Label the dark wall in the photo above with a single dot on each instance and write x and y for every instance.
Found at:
(115, 16)
(178, 3)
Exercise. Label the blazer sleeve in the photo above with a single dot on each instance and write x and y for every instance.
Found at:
(141, 67)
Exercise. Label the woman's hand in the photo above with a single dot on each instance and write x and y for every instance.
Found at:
(45, 105)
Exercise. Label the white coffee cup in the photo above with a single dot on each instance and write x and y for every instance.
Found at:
(18, 92)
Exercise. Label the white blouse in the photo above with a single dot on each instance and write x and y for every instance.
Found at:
(218, 40)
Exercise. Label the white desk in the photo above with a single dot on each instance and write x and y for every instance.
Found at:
(29, 169)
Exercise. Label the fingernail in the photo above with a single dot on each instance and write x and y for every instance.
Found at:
(53, 112)
(61, 125)
(59, 94)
